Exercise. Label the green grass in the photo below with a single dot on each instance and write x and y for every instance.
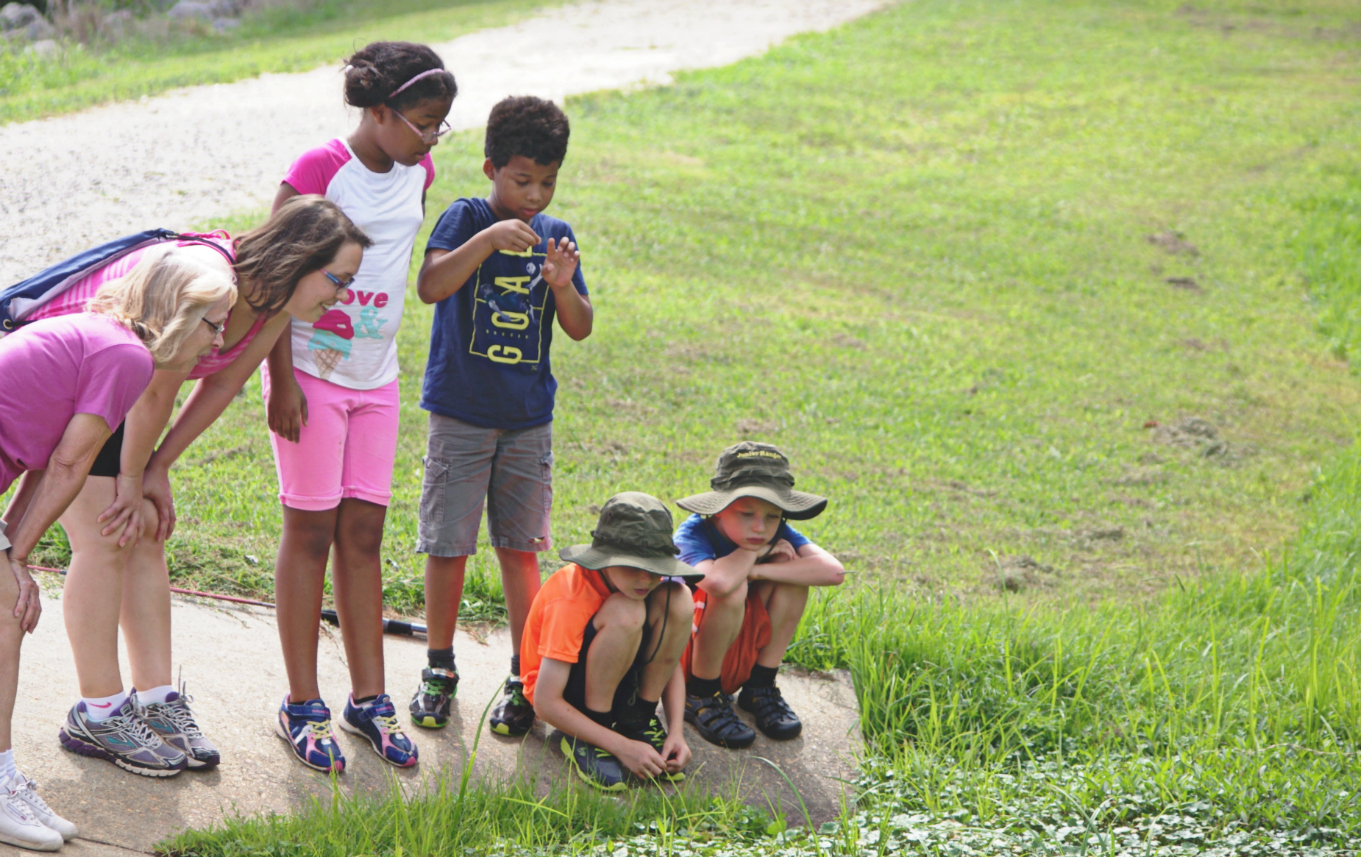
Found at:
(297, 37)
(917, 257)
(915, 253)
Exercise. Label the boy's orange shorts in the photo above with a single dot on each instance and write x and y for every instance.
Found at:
(741, 657)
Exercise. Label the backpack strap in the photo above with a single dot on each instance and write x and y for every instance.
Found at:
(203, 238)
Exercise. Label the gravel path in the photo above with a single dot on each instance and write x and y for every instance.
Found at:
(201, 152)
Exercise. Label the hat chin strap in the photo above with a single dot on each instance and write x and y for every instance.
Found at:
(605, 579)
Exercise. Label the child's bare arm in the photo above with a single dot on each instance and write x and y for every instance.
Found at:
(443, 272)
(724, 575)
(812, 566)
(575, 314)
(638, 757)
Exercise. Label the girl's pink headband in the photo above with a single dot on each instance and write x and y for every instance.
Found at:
(421, 76)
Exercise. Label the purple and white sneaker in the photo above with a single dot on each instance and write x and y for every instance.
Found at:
(174, 722)
(122, 739)
(307, 729)
(377, 721)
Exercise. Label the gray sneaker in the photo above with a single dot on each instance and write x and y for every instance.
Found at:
(174, 723)
(122, 739)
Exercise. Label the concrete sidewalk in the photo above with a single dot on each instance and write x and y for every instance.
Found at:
(234, 670)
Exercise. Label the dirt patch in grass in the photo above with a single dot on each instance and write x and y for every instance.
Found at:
(1174, 243)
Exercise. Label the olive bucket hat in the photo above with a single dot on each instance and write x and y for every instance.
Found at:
(634, 530)
(759, 470)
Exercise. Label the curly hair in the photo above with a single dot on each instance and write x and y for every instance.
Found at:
(526, 126)
(165, 295)
(303, 236)
(374, 74)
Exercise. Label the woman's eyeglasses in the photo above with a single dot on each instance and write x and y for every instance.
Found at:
(217, 328)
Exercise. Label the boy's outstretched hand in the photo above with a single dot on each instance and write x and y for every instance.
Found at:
(561, 263)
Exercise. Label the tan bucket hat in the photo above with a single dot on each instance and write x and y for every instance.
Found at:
(751, 469)
(634, 530)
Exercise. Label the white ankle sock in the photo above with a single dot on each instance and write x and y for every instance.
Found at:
(155, 695)
(101, 708)
(7, 769)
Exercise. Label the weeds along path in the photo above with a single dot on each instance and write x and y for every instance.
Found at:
(203, 152)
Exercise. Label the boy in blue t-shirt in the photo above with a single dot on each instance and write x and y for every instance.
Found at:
(757, 570)
(498, 271)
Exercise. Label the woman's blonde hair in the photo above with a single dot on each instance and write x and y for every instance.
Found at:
(164, 297)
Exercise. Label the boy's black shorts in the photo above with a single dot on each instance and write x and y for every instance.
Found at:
(625, 695)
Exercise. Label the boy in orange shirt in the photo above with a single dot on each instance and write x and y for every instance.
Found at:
(602, 646)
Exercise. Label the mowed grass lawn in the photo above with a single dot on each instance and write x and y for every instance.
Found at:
(916, 254)
(298, 36)
(1026, 289)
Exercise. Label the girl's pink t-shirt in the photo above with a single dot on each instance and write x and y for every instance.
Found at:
(81, 363)
(78, 296)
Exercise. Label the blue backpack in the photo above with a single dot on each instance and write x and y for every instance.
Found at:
(19, 301)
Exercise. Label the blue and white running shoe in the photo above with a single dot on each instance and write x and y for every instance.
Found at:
(307, 729)
(377, 721)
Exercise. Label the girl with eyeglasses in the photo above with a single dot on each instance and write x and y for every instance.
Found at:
(332, 399)
(119, 522)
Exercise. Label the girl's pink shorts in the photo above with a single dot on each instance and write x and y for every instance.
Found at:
(346, 449)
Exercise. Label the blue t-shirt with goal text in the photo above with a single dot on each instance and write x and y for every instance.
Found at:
(490, 340)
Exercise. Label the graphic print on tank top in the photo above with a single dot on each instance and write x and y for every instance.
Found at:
(335, 333)
(508, 308)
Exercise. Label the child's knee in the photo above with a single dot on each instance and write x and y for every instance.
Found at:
(313, 538)
(736, 595)
(622, 613)
(672, 600)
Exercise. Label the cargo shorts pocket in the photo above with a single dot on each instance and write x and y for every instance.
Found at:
(434, 486)
(546, 478)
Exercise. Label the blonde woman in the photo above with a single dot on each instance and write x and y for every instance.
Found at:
(295, 266)
(72, 381)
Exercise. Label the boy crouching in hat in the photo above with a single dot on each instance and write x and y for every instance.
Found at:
(757, 570)
(602, 646)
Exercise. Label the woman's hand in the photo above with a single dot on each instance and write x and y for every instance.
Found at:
(125, 512)
(156, 488)
(286, 408)
(28, 608)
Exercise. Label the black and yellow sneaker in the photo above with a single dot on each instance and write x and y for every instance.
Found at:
(430, 706)
(774, 717)
(594, 765)
(716, 722)
(513, 715)
(649, 732)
